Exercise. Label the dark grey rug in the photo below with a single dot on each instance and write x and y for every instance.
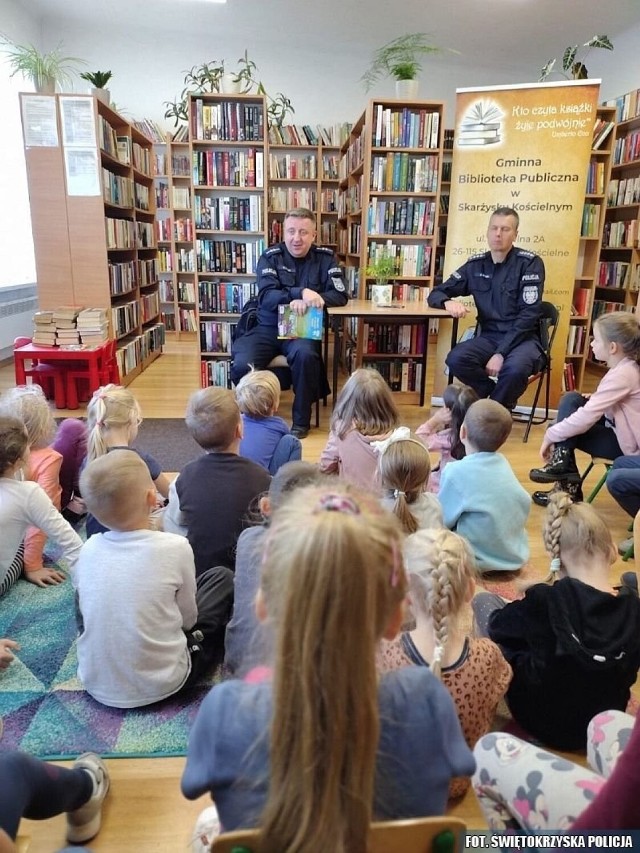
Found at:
(169, 441)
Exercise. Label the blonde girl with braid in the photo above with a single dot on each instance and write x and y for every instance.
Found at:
(113, 419)
(318, 747)
(441, 573)
(404, 467)
(573, 645)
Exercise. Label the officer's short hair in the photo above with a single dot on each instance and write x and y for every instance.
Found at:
(300, 213)
(488, 425)
(506, 211)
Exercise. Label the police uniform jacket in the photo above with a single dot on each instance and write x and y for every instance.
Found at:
(507, 295)
(282, 278)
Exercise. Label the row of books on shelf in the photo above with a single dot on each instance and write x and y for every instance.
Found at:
(228, 168)
(380, 338)
(401, 217)
(168, 318)
(601, 306)
(403, 292)
(216, 336)
(224, 297)
(399, 374)
(132, 353)
(303, 134)
(568, 377)
(601, 129)
(410, 260)
(228, 213)
(215, 372)
(404, 128)
(403, 172)
(623, 191)
(595, 177)
(229, 121)
(581, 301)
(590, 226)
(627, 106)
(116, 189)
(180, 229)
(328, 233)
(180, 197)
(70, 326)
(126, 234)
(182, 260)
(149, 306)
(282, 199)
(125, 318)
(350, 201)
(627, 148)
(228, 256)
(290, 167)
(623, 234)
(151, 129)
(147, 271)
(180, 165)
(618, 274)
(186, 291)
(444, 204)
(578, 335)
(187, 319)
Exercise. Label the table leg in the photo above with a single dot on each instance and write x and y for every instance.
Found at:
(94, 372)
(18, 363)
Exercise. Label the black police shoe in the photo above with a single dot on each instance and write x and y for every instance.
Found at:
(561, 467)
(574, 490)
(299, 431)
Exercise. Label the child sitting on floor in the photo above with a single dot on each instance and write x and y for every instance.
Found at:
(321, 734)
(404, 468)
(574, 646)
(442, 576)
(211, 500)
(245, 642)
(113, 419)
(441, 433)
(137, 594)
(24, 503)
(480, 495)
(365, 412)
(266, 438)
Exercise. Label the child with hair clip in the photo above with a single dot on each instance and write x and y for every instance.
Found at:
(24, 503)
(404, 469)
(365, 411)
(441, 433)
(442, 576)
(28, 403)
(266, 438)
(606, 423)
(317, 748)
(113, 419)
(574, 645)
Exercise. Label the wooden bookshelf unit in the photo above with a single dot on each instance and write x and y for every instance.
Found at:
(93, 210)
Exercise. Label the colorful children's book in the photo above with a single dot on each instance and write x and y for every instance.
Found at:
(307, 325)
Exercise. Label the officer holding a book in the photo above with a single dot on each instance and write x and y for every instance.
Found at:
(507, 284)
(302, 276)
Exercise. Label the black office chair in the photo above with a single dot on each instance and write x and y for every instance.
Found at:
(548, 326)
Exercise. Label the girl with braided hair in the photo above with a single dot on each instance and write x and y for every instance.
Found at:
(441, 574)
(574, 644)
(315, 748)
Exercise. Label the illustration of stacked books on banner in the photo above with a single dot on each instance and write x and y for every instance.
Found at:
(481, 125)
(307, 325)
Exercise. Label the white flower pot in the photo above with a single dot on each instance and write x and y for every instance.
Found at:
(103, 95)
(230, 86)
(407, 90)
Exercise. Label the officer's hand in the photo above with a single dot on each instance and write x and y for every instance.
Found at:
(456, 309)
(298, 306)
(546, 449)
(312, 298)
(494, 365)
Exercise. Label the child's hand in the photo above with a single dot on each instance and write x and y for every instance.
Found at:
(5, 652)
(44, 577)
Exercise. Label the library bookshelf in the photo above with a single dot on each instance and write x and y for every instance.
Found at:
(390, 185)
(618, 280)
(229, 186)
(585, 287)
(93, 209)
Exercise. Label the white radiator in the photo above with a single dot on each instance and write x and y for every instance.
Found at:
(17, 305)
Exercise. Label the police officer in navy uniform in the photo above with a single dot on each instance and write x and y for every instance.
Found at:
(300, 274)
(506, 283)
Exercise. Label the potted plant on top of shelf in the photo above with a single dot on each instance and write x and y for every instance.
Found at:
(401, 59)
(45, 70)
(382, 269)
(99, 80)
(573, 68)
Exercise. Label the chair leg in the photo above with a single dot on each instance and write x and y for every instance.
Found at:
(599, 485)
(628, 554)
(534, 405)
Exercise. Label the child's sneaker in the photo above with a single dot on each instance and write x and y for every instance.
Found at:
(206, 829)
(84, 823)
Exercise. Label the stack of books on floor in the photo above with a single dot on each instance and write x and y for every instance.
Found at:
(44, 330)
(65, 319)
(93, 326)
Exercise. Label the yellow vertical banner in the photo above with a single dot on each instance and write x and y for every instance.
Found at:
(527, 147)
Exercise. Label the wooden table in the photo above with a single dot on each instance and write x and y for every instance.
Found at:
(92, 355)
(400, 312)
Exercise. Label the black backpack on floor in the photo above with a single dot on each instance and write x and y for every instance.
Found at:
(248, 319)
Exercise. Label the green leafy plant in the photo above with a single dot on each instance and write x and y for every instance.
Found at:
(277, 108)
(98, 79)
(400, 58)
(573, 67)
(43, 69)
(246, 75)
(382, 268)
